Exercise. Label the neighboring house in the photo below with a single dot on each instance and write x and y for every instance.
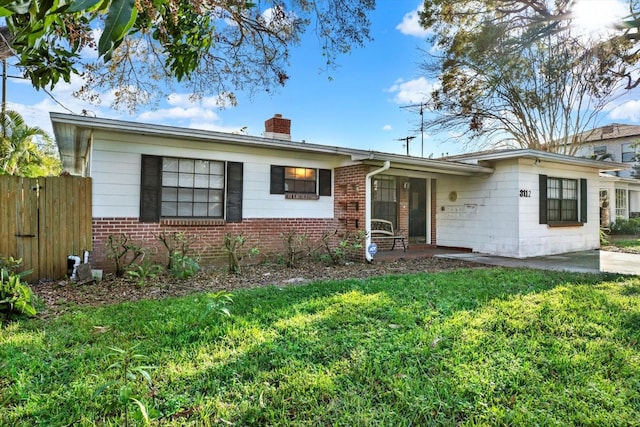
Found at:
(620, 191)
(152, 178)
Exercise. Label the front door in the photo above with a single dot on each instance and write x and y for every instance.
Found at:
(418, 210)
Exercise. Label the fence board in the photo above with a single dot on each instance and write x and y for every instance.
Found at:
(57, 210)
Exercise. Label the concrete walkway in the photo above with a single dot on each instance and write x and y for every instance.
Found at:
(581, 262)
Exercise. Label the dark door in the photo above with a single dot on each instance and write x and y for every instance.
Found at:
(417, 210)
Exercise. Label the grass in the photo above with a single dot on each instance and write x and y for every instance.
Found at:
(472, 347)
(633, 244)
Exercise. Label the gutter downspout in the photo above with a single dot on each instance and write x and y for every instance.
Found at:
(367, 210)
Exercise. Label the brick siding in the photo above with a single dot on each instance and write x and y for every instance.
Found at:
(263, 234)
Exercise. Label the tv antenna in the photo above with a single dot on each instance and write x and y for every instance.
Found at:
(422, 105)
(406, 140)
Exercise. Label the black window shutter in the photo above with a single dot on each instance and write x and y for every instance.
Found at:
(277, 180)
(583, 201)
(324, 184)
(543, 198)
(234, 192)
(150, 188)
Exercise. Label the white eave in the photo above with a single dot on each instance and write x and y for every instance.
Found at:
(542, 156)
(73, 134)
(420, 164)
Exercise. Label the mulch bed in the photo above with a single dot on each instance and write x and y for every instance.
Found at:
(62, 296)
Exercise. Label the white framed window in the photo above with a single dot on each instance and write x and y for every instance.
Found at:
(629, 151)
(622, 204)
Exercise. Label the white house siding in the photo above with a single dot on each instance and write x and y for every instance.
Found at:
(541, 239)
(484, 217)
(491, 216)
(614, 148)
(116, 168)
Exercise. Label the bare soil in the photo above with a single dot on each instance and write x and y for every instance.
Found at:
(62, 296)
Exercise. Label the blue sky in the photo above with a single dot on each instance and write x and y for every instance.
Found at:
(360, 107)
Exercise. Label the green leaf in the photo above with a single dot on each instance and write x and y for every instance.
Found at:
(83, 5)
(121, 16)
(143, 409)
(19, 7)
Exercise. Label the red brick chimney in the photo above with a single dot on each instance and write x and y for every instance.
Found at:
(278, 128)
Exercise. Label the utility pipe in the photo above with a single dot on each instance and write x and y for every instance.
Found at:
(76, 263)
(367, 209)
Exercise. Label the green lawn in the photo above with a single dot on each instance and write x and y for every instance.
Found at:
(633, 244)
(471, 347)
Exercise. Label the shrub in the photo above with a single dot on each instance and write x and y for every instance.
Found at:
(345, 248)
(15, 296)
(297, 247)
(124, 252)
(11, 264)
(626, 226)
(177, 243)
(234, 246)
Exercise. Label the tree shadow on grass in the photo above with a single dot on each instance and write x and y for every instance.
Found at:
(386, 350)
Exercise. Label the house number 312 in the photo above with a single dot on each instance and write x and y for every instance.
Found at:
(525, 193)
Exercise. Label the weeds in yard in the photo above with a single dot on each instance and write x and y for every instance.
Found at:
(183, 266)
(16, 297)
(143, 272)
(129, 369)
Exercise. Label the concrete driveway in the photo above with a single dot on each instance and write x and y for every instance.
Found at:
(581, 262)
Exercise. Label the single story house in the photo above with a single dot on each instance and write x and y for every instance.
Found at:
(147, 179)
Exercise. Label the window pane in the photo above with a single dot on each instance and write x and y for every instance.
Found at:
(553, 188)
(569, 189)
(310, 187)
(215, 210)
(215, 196)
(290, 173)
(170, 164)
(170, 179)
(185, 195)
(569, 210)
(200, 195)
(216, 168)
(185, 209)
(186, 165)
(199, 209)
(216, 181)
(201, 181)
(201, 166)
(553, 212)
(169, 209)
(169, 194)
(185, 180)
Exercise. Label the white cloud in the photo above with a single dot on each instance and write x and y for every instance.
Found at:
(387, 128)
(412, 91)
(629, 110)
(410, 24)
(35, 106)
